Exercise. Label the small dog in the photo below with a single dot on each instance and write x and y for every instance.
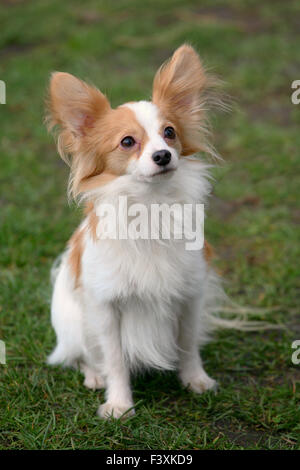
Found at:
(121, 304)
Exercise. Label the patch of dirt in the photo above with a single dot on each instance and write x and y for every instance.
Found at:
(12, 3)
(89, 17)
(291, 376)
(243, 18)
(278, 114)
(256, 377)
(226, 209)
(165, 20)
(246, 20)
(244, 438)
(14, 47)
(296, 216)
(248, 437)
(3, 202)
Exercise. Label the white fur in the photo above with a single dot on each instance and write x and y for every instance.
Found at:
(140, 303)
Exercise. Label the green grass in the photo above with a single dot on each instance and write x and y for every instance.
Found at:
(253, 222)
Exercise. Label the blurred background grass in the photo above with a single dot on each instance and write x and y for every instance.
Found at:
(253, 220)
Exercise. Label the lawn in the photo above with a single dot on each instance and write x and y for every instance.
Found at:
(253, 220)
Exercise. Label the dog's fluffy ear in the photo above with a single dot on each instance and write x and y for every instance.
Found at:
(75, 107)
(73, 104)
(179, 91)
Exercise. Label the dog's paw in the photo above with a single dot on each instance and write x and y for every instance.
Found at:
(200, 383)
(110, 410)
(93, 381)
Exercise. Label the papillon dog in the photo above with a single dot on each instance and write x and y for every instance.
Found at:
(122, 304)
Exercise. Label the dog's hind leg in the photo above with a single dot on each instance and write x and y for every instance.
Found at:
(66, 317)
(191, 371)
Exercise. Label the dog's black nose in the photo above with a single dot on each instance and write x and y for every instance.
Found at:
(162, 157)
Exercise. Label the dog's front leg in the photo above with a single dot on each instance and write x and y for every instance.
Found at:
(104, 326)
(191, 371)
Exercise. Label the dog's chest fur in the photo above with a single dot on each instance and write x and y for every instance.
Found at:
(147, 268)
(149, 282)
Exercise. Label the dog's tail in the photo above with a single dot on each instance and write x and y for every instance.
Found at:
(221, 312)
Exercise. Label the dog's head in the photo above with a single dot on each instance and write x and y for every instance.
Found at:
(145, 139)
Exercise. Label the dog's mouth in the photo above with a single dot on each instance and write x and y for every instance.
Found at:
(156, 177)
(164, 171)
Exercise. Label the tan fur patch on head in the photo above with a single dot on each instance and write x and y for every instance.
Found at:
(75, 245)
(91, 132)
(119, 123)
(106, 158)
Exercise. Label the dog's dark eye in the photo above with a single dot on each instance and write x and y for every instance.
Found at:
(169, 133)
(127, 142)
